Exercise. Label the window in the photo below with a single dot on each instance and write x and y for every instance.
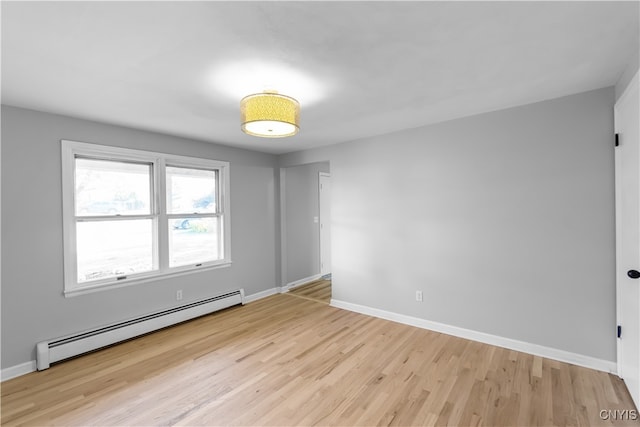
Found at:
(132, 216)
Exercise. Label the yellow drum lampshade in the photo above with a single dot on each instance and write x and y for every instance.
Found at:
(269, 115)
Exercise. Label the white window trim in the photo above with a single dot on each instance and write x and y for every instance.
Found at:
(71, 149)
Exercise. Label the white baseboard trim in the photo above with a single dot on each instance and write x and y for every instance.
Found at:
(525, 347)
(18, 370)
(260, 295)
(300, 282)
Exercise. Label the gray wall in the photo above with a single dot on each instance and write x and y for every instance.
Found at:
(33, 307)
(504, 220)
(301, 200)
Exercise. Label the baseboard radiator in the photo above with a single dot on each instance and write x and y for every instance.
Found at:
(62, 348)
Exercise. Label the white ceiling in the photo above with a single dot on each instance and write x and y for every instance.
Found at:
(357, 68)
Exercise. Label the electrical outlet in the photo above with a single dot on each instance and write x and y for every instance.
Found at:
(419, 296)
(178, 294)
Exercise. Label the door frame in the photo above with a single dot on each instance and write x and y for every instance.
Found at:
(321, 222)
(633, 86)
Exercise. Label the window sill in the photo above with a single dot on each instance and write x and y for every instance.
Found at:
(138, 280)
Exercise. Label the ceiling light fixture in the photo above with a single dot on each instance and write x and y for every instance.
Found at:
(269, 115)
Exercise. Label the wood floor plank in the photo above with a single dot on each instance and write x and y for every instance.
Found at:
(291, 361)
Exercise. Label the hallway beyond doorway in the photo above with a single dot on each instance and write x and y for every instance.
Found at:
(319, 290)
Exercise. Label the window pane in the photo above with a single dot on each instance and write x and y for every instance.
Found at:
(191, 190)
(193, 240)
(105, 187)
(114, 248)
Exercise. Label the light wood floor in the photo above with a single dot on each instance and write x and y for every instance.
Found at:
(286, 360)
(320, 291)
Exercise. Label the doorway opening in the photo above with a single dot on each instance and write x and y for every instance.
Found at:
(306, 230)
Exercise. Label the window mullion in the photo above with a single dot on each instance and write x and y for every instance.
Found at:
(161, 212)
